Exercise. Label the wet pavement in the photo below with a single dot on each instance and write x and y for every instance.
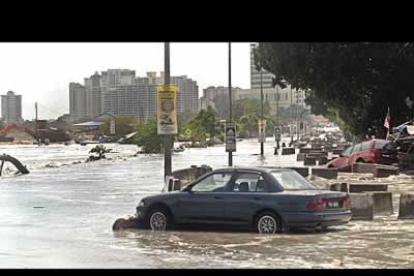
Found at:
(60, 216)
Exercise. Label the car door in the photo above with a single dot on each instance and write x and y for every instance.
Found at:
(342, 162)
(204, 201)
(354, 155)
(244, 198)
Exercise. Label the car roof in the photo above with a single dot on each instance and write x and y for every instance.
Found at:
(265, 169)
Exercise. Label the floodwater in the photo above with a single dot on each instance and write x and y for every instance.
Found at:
(61, 215)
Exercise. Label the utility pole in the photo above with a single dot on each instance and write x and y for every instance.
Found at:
(278, 114)
(261, 106)
(167, 137)
(297, 116)
(230, 111)
(36, 131)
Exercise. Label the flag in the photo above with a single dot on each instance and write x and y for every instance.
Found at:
(387, 119)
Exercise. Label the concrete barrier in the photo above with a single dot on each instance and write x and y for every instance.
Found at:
(303, 171)
(378, 170)
(339, 187)
(325, 172)
(300, 157)
(318, 153)
(359, 188)
(385, 171)
(309, 161)
(362, 206)
(337, 151)
(383, 203)
(314, 155)
(327, 148)
(288, 151)
(406, 208)
(323, 160)
(304, 150)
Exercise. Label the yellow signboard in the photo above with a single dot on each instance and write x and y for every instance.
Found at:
(167, 109)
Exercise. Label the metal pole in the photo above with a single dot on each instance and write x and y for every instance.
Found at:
(298, 120)
(278, 113)
(167, 138)
(230, 111)
(36, 131)
(261, 105)
(292, 115)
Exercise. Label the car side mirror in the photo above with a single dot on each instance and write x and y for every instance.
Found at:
(187, 189)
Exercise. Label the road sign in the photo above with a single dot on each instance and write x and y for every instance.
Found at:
(112, 127)
(167, 109)
(277, 133)
(262, 131)
(230, 137)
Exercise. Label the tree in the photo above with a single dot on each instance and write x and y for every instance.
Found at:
(100, 150)
(355, 82)
(203, 124)
(147, 137)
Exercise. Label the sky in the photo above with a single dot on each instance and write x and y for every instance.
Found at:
(41, 72)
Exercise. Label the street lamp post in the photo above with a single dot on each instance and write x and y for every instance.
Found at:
(230, 107)
(298, 119)
(277, 114)
(167, 137)
(300, 122)
(261, 106)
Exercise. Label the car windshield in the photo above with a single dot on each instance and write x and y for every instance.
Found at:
(291, 180)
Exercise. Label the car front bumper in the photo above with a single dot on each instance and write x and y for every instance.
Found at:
(316, 219)
(140, 212)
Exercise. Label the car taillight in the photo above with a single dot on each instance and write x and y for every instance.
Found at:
(317, 204)
(347, 203)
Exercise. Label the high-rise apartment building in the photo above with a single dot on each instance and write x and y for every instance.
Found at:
(77, 102)
(11, 107)
(211, 93)
(137, 100)
(119, 92)
(187, 91)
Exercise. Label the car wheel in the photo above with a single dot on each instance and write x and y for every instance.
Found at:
(360, 160)
(268, 223)
(159, 219)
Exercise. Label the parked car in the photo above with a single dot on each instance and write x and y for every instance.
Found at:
(373, 151)
(266, 200)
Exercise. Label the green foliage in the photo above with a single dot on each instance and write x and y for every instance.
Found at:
(353, 82)
(183, 119)
(123, 125)
(203, 124)
(100, 150)
(249, 106)
(148, 139)
(246, 113)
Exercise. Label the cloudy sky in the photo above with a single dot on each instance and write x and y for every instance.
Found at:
(41, 72)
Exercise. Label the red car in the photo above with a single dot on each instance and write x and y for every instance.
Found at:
(373, 151)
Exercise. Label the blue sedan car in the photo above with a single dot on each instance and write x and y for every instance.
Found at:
(266, 200)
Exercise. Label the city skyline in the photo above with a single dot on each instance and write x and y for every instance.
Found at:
(41, 72)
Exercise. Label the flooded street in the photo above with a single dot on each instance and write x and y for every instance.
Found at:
(61, 215)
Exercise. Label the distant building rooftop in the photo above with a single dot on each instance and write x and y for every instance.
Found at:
(87, 124)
